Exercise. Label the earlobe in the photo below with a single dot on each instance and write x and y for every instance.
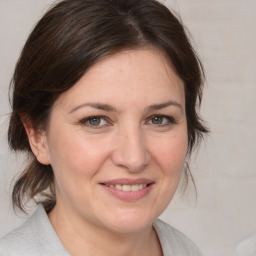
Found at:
(38, 143)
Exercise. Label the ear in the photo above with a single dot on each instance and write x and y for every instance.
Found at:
(38, 143)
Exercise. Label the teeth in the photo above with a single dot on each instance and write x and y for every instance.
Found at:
(118, 187)
(135, 187)
(126, 188)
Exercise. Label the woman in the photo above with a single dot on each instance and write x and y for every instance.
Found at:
(105, 97)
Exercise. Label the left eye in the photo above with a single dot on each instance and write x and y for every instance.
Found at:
(94, 121)
(161, 120)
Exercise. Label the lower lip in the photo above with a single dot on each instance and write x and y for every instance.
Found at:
(128, 195)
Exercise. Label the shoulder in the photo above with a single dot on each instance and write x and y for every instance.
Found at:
(173, 241)
(35, 237)
(20, 241)
(247, 247)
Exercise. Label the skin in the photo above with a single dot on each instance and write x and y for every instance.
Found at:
(127, 141)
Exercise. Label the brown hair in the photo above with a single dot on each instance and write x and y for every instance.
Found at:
(71, 37)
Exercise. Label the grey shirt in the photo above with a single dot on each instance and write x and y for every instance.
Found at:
(36, 237)
(247, 247)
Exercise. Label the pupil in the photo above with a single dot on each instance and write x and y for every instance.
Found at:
(94, 121)
(157, 120)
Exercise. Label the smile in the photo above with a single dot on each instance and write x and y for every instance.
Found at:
(127, 188)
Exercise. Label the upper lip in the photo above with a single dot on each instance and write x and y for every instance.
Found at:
(126, 181)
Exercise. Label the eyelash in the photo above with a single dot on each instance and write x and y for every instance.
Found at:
(86, 121)
(170, 121)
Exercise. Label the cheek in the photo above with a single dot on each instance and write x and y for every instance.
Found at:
(75, 156)
(74, 164)
(171, 153)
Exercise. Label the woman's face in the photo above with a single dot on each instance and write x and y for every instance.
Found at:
(117, 141)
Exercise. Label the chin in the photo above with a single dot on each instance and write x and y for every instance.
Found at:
(131, 222)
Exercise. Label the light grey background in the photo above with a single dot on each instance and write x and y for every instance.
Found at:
(224, 32)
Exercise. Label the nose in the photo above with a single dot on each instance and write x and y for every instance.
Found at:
(131, 151)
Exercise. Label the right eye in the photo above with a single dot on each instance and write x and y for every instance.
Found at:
(161, 120)
(95, 121)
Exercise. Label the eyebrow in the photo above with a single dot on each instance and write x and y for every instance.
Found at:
(100, 106)
(164, 105)
(109, 108)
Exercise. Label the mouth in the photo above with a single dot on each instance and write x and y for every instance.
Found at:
(126, 189)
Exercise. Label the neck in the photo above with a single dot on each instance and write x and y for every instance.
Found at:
(82, 238)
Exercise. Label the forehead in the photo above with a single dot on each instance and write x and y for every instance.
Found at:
(130, 75)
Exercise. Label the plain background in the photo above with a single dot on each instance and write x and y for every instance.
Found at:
(224, 33)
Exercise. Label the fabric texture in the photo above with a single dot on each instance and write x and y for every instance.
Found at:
(36, 237)
(247, 247)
